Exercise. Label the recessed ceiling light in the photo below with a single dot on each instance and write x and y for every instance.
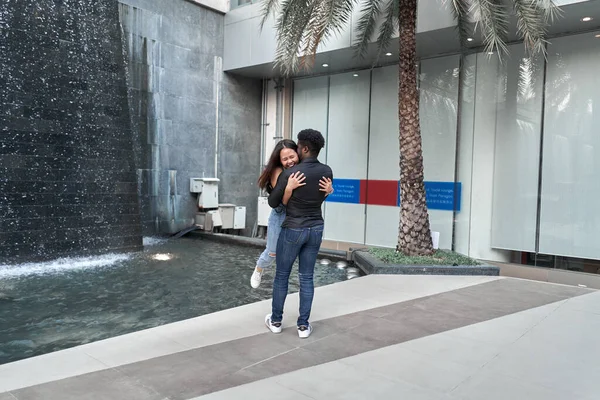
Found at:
(598, 35)
(325, 65)
(355, 75)
(586, 19)
(469, 39)
(388, 54)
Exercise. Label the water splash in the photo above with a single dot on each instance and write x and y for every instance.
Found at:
(153, 241)
(61, 265)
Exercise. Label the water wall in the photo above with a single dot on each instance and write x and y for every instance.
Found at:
(67, 175)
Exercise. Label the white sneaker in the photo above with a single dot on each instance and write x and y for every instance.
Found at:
(256, 278)
(304, 331)
(274, 327)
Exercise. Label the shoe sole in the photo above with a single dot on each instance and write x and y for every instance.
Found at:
(301, 335)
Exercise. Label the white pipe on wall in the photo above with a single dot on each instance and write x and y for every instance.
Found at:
(218, 64)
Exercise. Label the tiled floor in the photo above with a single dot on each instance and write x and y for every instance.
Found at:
(330, 301)
(420, 337)
(543, 353)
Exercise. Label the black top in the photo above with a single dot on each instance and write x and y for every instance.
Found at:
(269, 188)
(304, 208)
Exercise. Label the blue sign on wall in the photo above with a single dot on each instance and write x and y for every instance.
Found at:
(345, 191)
(444, 196)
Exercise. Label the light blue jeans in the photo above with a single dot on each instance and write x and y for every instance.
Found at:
(276, 218)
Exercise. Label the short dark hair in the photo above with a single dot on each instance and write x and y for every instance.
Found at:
(311, 139)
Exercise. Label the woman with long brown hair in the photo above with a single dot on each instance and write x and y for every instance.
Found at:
(284, 156)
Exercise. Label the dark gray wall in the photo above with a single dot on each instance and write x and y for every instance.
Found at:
(174, 52)
(67, 177)
(239, 144)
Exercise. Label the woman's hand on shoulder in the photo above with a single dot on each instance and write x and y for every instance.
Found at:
(296, 180)
(326, 185)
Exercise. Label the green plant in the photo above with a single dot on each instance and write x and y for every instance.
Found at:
(439, 257)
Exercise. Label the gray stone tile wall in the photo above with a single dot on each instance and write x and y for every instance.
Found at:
(176, 91)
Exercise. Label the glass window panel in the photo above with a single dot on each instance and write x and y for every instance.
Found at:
(569, 217)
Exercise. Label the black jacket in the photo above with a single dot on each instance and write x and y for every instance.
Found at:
(304, 208)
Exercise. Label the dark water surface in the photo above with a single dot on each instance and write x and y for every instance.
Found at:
(47, 307)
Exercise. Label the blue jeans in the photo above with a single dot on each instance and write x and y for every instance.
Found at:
(303, 243)
(276, 218)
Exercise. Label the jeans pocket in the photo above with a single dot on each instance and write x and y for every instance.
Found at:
(292, 236)
(316, 237)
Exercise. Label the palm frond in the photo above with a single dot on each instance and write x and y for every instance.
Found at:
(290, 25)
(493, 17)
(302, 25)
(365, 27)
(532, 19)
(270, 7)
(328, 16)
(550, 10)
(460, 10)
(389, 26)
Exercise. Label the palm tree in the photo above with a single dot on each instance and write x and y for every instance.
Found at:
(302, 25)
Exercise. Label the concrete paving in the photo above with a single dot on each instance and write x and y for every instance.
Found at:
(409, 337)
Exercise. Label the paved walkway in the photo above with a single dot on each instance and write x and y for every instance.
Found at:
(408, 337)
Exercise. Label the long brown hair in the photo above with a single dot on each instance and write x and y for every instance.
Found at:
(275, 161)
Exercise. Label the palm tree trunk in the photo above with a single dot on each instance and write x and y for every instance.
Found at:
(414, 236)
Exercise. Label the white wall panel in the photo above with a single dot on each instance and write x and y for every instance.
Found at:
(569, 220)
(347, 151)
(438, 116)
(384, 154)
(348, 125)
(310, 108)
(345, 222)
(462, 224)
(517, 151)
(482, 172)
(382, 226)
(384, 147)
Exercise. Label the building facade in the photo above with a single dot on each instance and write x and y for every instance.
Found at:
(511, 148)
